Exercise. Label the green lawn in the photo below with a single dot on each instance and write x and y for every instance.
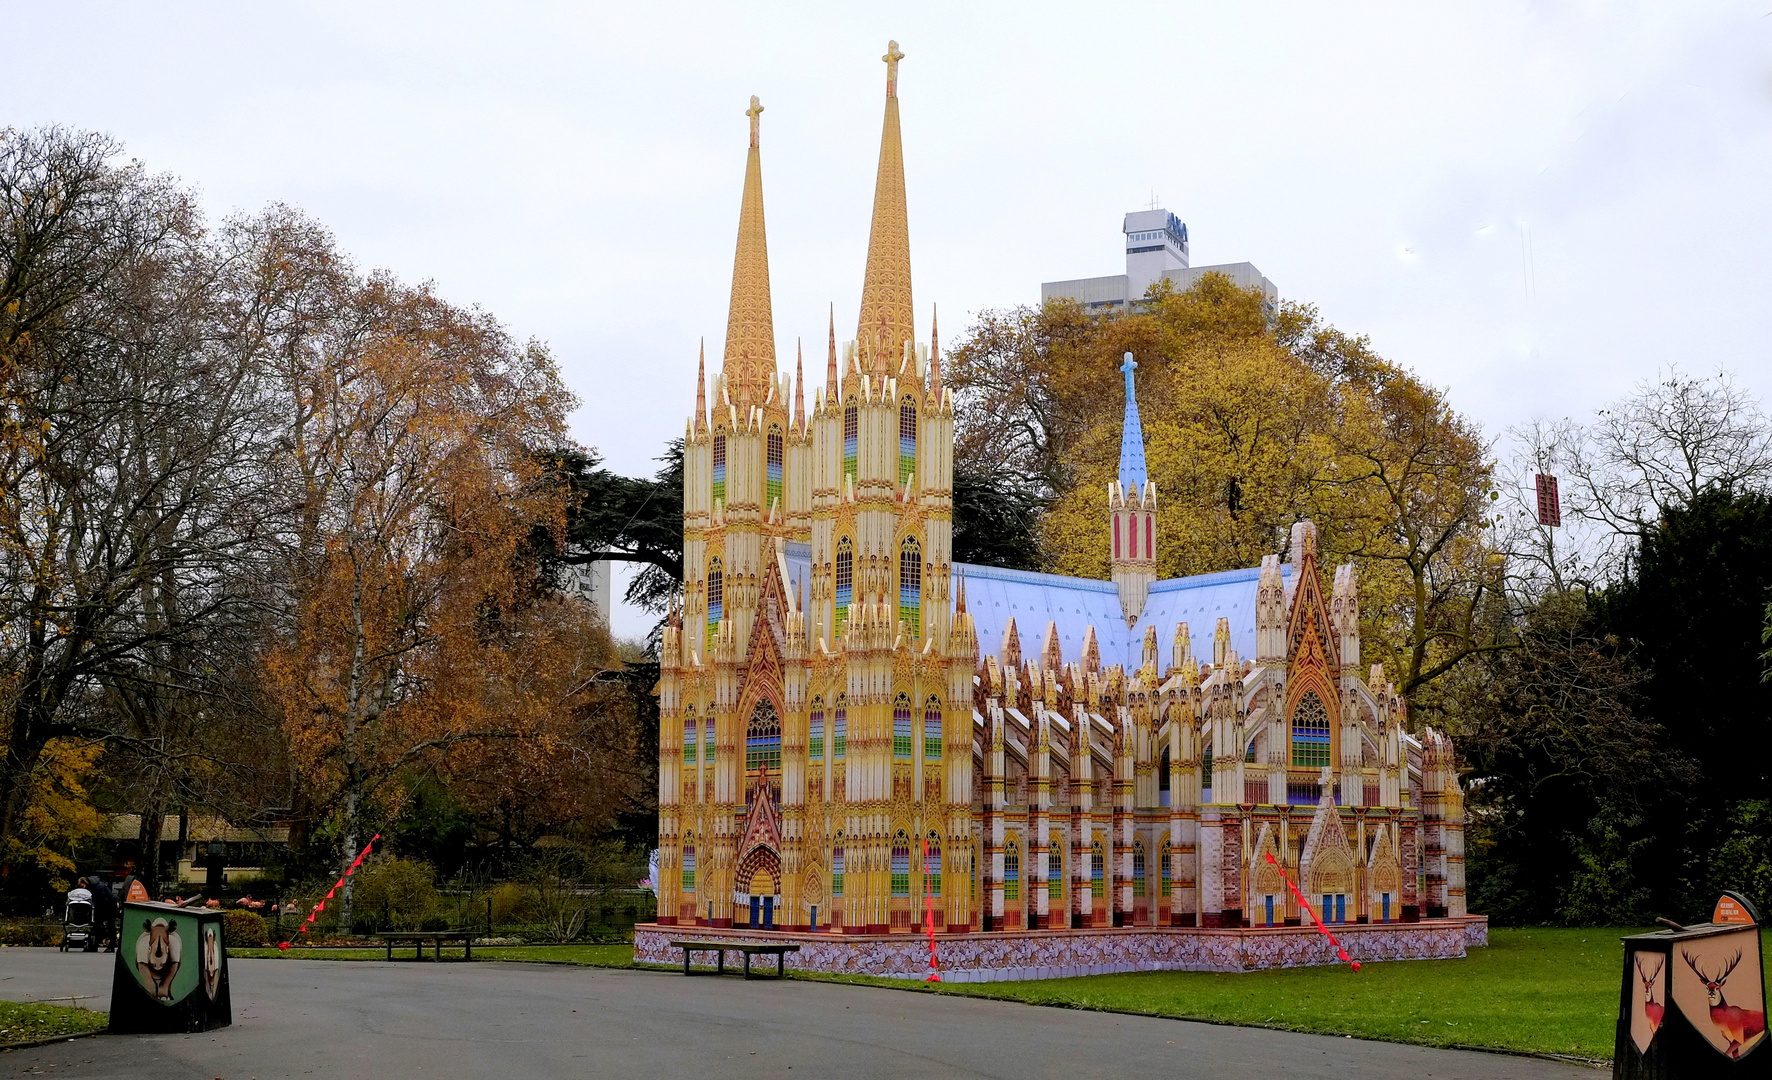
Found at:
(26, 1022)
(1547, 991)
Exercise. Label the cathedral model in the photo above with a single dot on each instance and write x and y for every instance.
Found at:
(862, 738)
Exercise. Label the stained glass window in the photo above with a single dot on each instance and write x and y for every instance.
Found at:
(1012, 872)
(1310, 733)
(815, 731)
(837, 867)
(773, 465)
(1055, 872)
(689, 740)
(932, 867)
(1097, 872)
(901, 865)
(932, 730)
(845, 582)
(720, 467)
(1138, 868)
(716, 599)
(901, 728)
(839, 731)
(851, 428)
(910, 586)
(762, 742)
(907, 440)
(688, 864)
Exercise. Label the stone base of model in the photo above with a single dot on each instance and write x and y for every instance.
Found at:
(1057, 954)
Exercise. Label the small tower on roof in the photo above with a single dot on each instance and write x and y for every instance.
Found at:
(1132, 508)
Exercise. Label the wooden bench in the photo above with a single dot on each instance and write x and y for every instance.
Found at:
(719, 949)
(435, 937)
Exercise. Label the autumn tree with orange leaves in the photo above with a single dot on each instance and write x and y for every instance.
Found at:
(412, 628)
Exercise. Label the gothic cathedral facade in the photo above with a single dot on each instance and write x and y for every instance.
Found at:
(855, 738)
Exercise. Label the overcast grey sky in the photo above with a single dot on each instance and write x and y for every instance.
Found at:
(1533, 205)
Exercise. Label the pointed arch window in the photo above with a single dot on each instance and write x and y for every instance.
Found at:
(690, 738)
(1206, 773)
(901, 865)
(1165, 877)
(1097, 872)
(773, 457)
(1138, 868)
(845, 582)
(720, 467)
(716, 598)
(1012, 871)
(837, 867)
(815, 731)
(851, 438)
(762, 740)
(1310, 732)
(840, 729)
(907, 440)
(932, 865)
(707, 741)
(910, 586)
(1055, 871)
(901, 728)
(1163, 778)
(689, 863)
(932, 730)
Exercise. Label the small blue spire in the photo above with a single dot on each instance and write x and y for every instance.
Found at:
(1131, 438)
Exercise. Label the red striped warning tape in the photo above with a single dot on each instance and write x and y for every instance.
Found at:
(336, 886)
(929, 920)
(1305, 906)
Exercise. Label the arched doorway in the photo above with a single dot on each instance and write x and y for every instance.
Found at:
(758, 887)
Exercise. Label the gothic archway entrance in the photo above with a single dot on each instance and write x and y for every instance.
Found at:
(758, 887)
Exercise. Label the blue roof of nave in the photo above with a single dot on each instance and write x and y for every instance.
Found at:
(994, 596)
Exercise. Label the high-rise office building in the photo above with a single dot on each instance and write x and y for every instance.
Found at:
(1156, 248)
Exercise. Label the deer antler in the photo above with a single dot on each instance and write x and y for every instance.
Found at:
(1731, 967)
(1686, 956)
(1649, 976)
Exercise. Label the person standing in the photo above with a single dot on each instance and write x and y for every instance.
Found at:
(104, 912)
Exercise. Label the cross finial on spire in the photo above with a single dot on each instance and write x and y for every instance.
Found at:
(754, 112)
(892, 57)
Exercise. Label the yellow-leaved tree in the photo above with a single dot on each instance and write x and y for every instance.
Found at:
(1253, 419)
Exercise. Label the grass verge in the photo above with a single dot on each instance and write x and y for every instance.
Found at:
(1538, 991)
(31, 1021)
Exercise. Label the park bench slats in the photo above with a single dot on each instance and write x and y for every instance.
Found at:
(719, 949)
(435, 937)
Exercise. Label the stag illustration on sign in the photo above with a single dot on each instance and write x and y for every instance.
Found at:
(1651, 1008)
(1738, 1025)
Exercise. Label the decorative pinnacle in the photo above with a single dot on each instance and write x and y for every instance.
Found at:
(799, 386)
(934, 355)
(831, 390)
(755, 111)
(701, 384)
(892, 57)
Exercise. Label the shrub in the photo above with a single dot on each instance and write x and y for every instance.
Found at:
(404, 888)
(434, 922)
(243, 930)
(507, 900)
(30, 934)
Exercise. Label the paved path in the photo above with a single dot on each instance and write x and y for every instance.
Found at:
(379, 1021)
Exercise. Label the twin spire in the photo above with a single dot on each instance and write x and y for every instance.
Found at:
(750, 324)
(886, 323)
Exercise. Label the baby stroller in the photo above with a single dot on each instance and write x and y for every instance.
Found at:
(80, 927)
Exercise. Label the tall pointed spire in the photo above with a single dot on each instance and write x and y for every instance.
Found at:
(1131, 439)
(701, 388)
(831, 389)
(886, 287)
(799, 387)
(934, 356)
(750, 325)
